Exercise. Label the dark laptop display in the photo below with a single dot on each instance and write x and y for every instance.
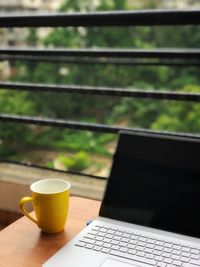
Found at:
(155, 182)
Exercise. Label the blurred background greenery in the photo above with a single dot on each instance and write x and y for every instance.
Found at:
(81, 150)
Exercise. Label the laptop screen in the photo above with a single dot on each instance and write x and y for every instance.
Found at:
(155, 182)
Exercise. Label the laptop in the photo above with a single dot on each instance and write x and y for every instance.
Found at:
(150, 213)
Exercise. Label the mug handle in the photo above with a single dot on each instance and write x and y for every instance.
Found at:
(22, 202)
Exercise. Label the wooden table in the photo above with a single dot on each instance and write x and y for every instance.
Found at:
(22, 244)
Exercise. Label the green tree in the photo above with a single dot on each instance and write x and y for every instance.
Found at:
(137, 112)
(13, 135)
(181, 116)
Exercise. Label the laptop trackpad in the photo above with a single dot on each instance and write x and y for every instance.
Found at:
(113, 263)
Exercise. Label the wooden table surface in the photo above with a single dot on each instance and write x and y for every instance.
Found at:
(22, 244)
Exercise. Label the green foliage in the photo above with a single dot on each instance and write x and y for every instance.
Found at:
(51, 138)
(12, 135)
(181, 116)
(32, 38)
(76, 162)
(50, 164)
(137, 113)
(71, 105)
(158, 115)
(15, 102)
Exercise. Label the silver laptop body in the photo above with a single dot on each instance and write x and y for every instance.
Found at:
(150, 213)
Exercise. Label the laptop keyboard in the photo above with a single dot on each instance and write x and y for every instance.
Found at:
(138, 247)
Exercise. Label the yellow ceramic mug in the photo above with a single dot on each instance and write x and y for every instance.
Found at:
(50, 199)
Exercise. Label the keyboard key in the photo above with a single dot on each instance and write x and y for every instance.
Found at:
(185, 249)
(177, 263)
(143, 235)
(158, 258)
(101, 234)
(106, 227)
(159, 242)
(129, 232)
(117, 237)
(126, 235)
(178, 252)
(167, 260)
(148, 250)
(110, 231)
(161, 264)
(176, 243)
(196, 262)
(194, 256)
(123, 244)
(144, 239)
(118, 233)
(177, 247)
(149, 256)
(141, 243)
(132, 251)
(150, 245)
(124, 239)
(89, 246)
(91, 236)
(140, 254)
(106, 240)
(135, 237)
(151, 241)
(139, 248)
(123, 249)
(97, 227)
(121, 230)
(166, 255)
(168, 250)
(99, 238)
(175, 257)
(194, 251)
(80, 244)
(109, 236)
(114, 242)
(115, 228)
(185, 254)
(107, 245)
(189, 265)
(105, 250)
(87, 240)
(132, 257)
(167, 245)
(157, 252)
(97, 248)
(184, 259)
(115, 247)
(99, 243)
(130, 246)
(103, 230)
(158, 248)
(134, 242)
(94, 232)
